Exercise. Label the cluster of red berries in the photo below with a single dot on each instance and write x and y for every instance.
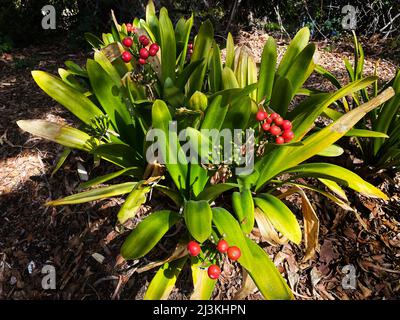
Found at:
(143, 52)
(190, 48)
(276, 126)
(214, 270)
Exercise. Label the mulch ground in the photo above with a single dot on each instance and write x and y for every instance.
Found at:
(82, 242)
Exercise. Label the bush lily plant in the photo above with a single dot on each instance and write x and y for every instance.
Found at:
(119, 102)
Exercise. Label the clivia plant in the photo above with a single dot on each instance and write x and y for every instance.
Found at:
(121, 101)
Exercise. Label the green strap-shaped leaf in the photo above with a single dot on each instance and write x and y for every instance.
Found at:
(164, 281)
(254, 259)
(182, 39)
(198, 218)
(70, 98)
(119, 154)
(201, 51)
(172, 154)
(215, 114)
(331, 151)
(298, 43)
(168, 46)
(152, 21)
(95, 194)
(230, 52)
(243, 207)
(93, 40)
(109, 176)
(340, 175)
(267, 70)
(281, 217)
(322, 71)
(64, 135)
(148, 233)
(61, 159)
(203, 285)
(215, 75)
(212, 192)
(133, 202)
(69, 78)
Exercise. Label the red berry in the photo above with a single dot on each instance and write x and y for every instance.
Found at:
(278, 121)
(269, 120)
(266, 126)
(127, 42)
(154, 47)
(275, 130)
(144, 40)
(234, 253)
(214, 271)
(193, 248)
(279, 140)
(222, 246)
(126, 56)
(152, 52)
(143, 53)
(190, 51)
(190, 45)
(274, 115)
(261, 115)
(288, 135)
(142, 61)
(129, 27)
(286, 125)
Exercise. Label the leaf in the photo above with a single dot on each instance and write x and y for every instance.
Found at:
(230, 52)
(215, 75)
(107, 177)
(331, 151)
(267, 231)
(201, 51)
(311, 223)
(168, 46)
(61, 159)
(298, 43)
(95, 194)
(267, 70)
(248, 287)
(70, 98)
(280, 216)
(334, 187)
(163, 282)
(62, 134)
(198, 218)
(183, 39)
(70, 79)
(326, 74)
(203, 285)
(93, 40)
(118, 153)
(243, 206)
(340, 175)
(152, 21)
(172, 194)
(215, 114)
(172, 153)
(133, 202)
(212, 192)
(365, 133)
(148, 233)
(254, 259)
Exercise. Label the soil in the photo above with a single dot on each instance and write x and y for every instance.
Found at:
(82, 241)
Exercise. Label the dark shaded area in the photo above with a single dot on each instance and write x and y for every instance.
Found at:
(20, 21)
